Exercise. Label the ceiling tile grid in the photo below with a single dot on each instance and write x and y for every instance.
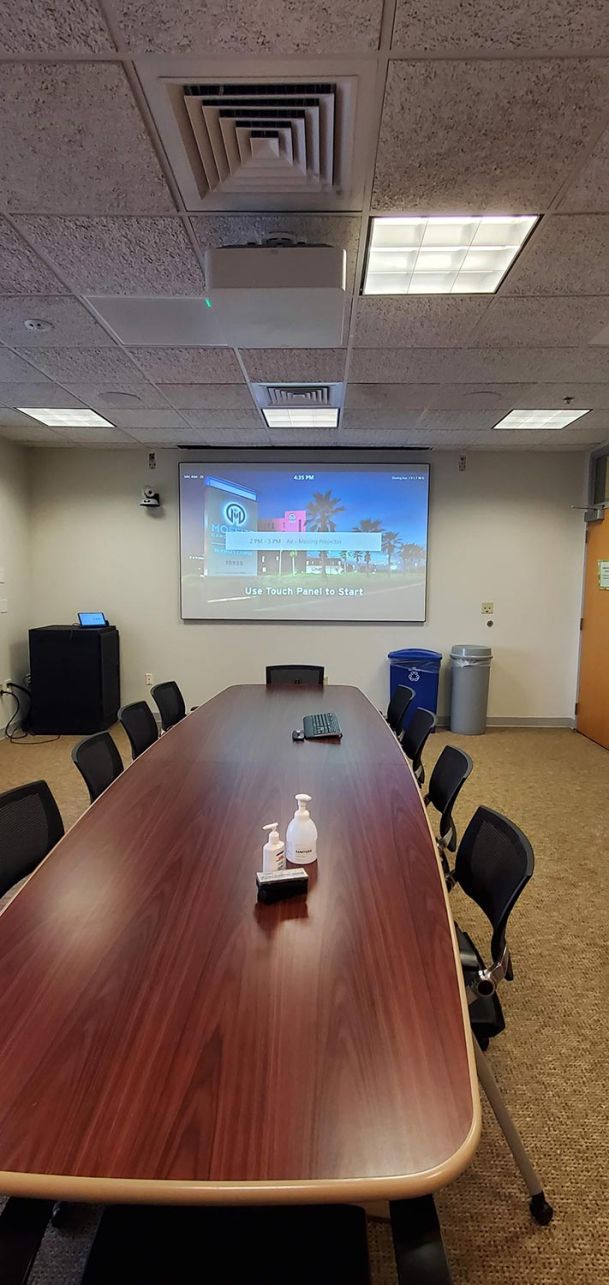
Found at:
(500, 109)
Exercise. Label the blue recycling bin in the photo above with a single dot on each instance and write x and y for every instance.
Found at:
(419, 669)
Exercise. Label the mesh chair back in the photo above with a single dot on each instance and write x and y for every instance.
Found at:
(447, 779)
(494, 864)
(170, 704)
(397, 707)
(140, 725)
(295, 675)
(30, 825)
(98, 762)
(414, 738)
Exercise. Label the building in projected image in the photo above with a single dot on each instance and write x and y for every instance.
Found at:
(273, 562)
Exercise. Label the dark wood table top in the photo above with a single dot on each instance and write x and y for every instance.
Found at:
(165, 1038)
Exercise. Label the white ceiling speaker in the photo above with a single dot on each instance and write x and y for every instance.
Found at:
(269, 296)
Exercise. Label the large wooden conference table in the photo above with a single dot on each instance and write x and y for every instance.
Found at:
(165, 1038)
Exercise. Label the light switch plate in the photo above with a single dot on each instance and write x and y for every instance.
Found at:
(487, 608)
(1, 575)
(3, 605)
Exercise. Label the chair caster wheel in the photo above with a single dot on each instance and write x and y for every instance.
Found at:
(542, 1212)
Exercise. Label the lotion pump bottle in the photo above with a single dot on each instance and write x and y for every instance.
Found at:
(273, 852)
(301, 835)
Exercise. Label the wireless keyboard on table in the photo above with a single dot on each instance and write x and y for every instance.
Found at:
(315, 726)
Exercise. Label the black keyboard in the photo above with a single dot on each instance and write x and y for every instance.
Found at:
(315, 726)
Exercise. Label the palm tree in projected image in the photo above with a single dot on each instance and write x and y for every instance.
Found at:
(322, 509)
(411, 555)
(370, 526)
(389, 544)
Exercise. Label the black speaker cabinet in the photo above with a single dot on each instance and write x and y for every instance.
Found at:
(75, 681)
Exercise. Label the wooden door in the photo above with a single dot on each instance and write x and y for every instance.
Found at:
(593, 697)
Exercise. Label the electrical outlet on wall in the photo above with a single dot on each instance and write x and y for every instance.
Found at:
(487, 608)
(149, 680)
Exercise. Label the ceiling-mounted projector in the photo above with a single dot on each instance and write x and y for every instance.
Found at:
(278, 296)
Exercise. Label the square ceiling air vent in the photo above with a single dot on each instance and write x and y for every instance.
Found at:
(263, 142)
(299, 395)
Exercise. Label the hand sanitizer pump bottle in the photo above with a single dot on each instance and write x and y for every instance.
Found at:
(301, 834)
(273, 852)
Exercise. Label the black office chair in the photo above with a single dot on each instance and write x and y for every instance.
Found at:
(295, 675)
(30, 825)
(140, 725)
(397, 707)
(494, 864)
(98, 762)
(170, 704)
(445, 783)
(414, 739)
(250, 1246)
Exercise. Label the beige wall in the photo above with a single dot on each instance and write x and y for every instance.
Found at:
(14, 561)
(503, 530)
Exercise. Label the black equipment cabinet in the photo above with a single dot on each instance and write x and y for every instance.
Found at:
(75, 679)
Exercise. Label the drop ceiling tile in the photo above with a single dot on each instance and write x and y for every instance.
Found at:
(468, 135)
(238, 26)
(458, 421)
(383, 419)
(96, 437)
(552, 396)
(339, 230)
(119, 256)
(29, 432)
(14, 370)
(86, 146)
(35, 26)
(302, 438)
(589, 189)
(270, 365)
(421, 321)
(21, 271)
(76, 365)
(466, 397)
(207, 396)
(224, 418)
(125, 391)
(189, 365)
(130, 419)
(542, 25)
(378, 438)
(472, 366)
(566, 255)
(554, 322)
(72, 325)
(201, 437)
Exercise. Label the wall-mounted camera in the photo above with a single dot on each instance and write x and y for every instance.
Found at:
(150, 498)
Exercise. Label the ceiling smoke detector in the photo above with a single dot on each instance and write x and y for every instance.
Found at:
(37, 324)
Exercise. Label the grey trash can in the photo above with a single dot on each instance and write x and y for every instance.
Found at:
(470, 673)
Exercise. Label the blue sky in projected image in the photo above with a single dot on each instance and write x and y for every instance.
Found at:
(399, 505)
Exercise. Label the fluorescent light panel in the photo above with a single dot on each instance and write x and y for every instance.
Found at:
(539, 420)
(456, 255)
(66, 418)
(302, 417)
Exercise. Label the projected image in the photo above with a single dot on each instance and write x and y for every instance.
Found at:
(314, 543)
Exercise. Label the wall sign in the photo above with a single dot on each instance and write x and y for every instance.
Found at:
(603, 574)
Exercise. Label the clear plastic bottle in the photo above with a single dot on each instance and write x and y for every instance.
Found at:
(301, 834)
(273, 852)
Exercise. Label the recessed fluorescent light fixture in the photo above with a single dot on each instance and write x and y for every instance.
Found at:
(66, 418)
(302, 417)
(457, 255)
(539, 420)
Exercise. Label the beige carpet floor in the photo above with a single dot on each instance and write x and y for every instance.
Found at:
(552, 1062)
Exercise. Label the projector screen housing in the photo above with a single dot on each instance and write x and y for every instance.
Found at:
(319, 541)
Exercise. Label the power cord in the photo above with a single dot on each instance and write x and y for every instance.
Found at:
(18, 735)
